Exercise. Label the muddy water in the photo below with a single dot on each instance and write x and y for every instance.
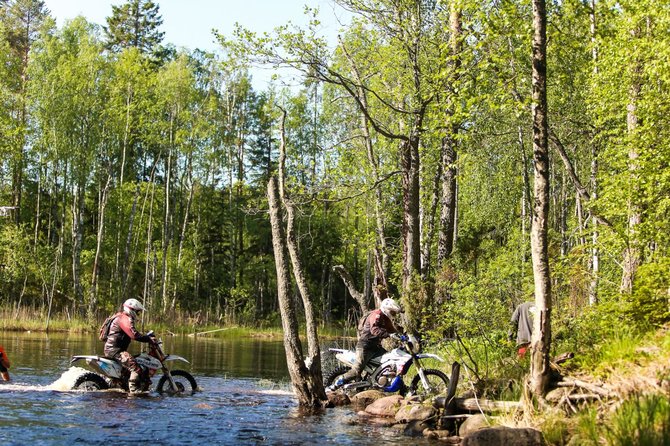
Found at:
(244, 399)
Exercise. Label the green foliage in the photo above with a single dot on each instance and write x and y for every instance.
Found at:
(139, 178)
(648, 306)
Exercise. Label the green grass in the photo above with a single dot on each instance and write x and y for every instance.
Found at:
(642, 420)
(36, 321)
(33, 320)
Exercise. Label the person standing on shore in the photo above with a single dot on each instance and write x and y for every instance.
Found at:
(522, 324)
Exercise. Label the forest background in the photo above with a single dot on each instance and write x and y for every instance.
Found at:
(133, 169)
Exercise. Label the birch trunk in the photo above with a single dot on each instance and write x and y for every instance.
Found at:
(632, 257)
(541, 341)
(449, 153)
(298, 270)
(93, 300)
(307, 387)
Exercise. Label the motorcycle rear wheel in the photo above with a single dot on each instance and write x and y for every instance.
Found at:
(90, 381)
(330, 378)
(183, 380)
(437, 380)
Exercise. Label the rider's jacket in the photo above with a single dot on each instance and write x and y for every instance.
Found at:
(121, 332)
(374, 327)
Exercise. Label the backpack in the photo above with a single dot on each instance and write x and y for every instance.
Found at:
(104, 329)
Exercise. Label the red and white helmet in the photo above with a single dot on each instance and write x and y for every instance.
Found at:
(390, 308)
(131, 306)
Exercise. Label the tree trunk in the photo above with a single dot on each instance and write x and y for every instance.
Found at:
(541, 342)
(167, 226)
(381, 250)
(308, 388)
(411, 202)
(447, 218)
(449, 154)
(93, 301)
(595, 254)
(78, 204)
(632, 257)
(525, 200)
(351, 286)
(428, 220)
(299, 272)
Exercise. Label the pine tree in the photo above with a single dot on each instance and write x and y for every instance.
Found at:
(20, 21)
(134, 24)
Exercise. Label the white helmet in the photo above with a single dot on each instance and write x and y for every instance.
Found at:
(130, 306)
(390, 307)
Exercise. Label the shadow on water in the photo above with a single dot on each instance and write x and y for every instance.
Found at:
(244, 399)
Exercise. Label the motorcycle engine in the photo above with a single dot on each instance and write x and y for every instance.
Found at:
(386, 376)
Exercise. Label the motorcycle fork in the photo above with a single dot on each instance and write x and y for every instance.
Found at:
(167, 373)
(422, 376)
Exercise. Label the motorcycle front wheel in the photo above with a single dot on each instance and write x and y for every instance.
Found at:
(438, 383)
(90, 381)
(183, 380)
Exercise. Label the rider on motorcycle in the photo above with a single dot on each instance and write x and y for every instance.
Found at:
(373, 327)
(121, 332)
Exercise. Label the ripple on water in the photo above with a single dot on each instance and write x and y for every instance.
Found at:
(226, 411)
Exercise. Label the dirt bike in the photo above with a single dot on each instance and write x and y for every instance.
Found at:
(386, 372)
(110, 374)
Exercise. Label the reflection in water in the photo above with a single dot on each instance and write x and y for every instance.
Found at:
(245, 400)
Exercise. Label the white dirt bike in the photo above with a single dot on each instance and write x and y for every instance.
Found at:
(386, 372)
(110, 374)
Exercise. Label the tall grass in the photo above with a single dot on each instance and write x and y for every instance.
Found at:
(642, 420)
(26, 319)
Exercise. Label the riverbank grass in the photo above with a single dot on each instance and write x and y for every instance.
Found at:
(33, 320)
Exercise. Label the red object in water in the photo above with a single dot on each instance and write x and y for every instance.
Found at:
(4, 364)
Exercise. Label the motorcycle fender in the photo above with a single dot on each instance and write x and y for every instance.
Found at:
(346, 357)
(429, 355)
(103, 366)
(176, 358)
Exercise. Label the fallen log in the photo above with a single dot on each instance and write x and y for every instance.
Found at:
(207, 332)
(583, 397)
(587, 386)
(484, 405)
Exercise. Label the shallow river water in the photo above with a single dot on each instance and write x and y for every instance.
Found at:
(244, 399)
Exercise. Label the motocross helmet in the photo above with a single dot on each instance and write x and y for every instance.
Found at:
(390, 308)
(132, 306)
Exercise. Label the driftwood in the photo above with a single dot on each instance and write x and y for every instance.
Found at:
(563, 357)
(587, 386)
(207, 332)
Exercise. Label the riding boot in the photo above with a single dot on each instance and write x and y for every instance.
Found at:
(134, 384)
(335, 385)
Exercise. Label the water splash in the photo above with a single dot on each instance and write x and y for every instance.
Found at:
(62, 384)
(67, 379)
